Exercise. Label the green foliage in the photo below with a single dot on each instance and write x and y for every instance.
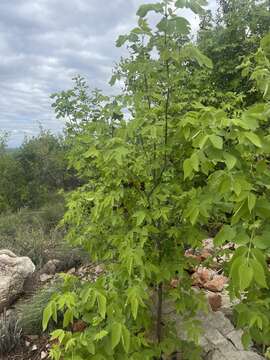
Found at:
(227, 39)
(158, 166)
(32, 174)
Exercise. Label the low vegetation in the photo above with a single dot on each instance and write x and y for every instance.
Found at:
(10, 333)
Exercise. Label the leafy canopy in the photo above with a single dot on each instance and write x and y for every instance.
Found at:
(158, 167)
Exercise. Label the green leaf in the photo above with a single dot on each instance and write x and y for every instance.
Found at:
(116, 333)
(192, 52)
(47, 314)
(188, 168)
(194, 216)
(91, 347)
(251, 201)
(194, 5)
(68, 317)
(125, 339)
(203, 141)
(230, 160)
(182, 25)
(217, 141)
(246, 339)
(263, 208)
(245, 274)
(263, 241)
(134, 306)
(100, 335)
(140, 216)
(194, 160)
(227, 233)
(58, 334)
(102, 304)
(144, 9)
(204, 60)
(175, 24)
(254, 138)
(241, 238)
(259, 256)
(181, 3)
(54, 311)
(121, 40)
(234, 269)
(259, 274)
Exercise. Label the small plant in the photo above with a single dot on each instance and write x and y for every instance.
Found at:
(10, 333)
(30, 311)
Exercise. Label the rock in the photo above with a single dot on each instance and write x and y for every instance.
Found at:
(14, 271)
(202, 276)
(216, 284)
(205, 274)
(51, 267)
(205, 255)
(79, 326)
(215, 301)
(45, 277)
(43, 355)
(221, 341)
(208, 245)
(33, 337)
(71, 271)
(99, 270)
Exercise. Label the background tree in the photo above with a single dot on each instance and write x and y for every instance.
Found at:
(228, 38)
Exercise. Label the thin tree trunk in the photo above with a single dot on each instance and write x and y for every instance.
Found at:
(159, 312)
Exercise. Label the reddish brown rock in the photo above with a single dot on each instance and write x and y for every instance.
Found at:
(202, 275)
(216, 284)
(205, 254)
(215, 301)
(79, 326)
(196, 280)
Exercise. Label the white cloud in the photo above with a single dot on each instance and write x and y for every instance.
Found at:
(44, 43)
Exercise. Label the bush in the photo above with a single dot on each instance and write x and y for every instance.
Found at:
(10, 333)
(33, 233)
(30, 312)
(36, 234)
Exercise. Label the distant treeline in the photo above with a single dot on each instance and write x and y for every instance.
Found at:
(31, 175)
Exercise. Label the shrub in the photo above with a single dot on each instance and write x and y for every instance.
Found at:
(10, 333)
(29, 312)
(32, 233)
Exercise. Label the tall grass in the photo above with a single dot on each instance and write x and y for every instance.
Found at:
(33, 233)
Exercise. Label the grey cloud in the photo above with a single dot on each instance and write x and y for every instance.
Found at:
(44, 43)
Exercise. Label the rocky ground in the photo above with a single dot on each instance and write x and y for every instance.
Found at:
(221, 341)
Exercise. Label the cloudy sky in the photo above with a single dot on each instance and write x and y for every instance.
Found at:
(44, 43)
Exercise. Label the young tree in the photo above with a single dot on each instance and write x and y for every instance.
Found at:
(158, 168)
